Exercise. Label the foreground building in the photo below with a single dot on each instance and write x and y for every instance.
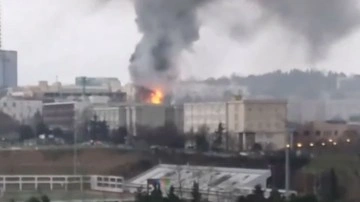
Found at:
(216, 183)
(137, 116)
(246, 121)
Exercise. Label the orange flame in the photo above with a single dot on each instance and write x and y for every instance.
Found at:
(157, 97)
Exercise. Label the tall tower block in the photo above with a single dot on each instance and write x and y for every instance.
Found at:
(8, 61)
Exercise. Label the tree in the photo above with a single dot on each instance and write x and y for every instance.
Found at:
(156, 195)
(257, 195)
(7, 124)
(118, 136)
(257, 147)
(58, 132)
(33, 199)
(45, 198)
(172, 197)
(219, 136)
(202, 143)
(25, 132)
(42, 128)
(275, 196)
(334, 187)
(98, 130)
(196, 195)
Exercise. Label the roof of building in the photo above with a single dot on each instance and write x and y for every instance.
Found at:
(209, 178)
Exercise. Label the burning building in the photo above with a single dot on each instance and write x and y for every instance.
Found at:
(149, 96)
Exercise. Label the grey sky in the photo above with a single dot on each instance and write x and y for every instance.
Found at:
(68, 38)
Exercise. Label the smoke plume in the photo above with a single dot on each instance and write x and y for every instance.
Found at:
(171, 26)
(321, 23)
(168, 28)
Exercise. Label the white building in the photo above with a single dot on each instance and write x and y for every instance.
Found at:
(144, 115)
(22, 110)
(215, 183)
(210, 114)
(8, 69)
(257, 121)
(115, 117)
(246, 121)
(133, 116)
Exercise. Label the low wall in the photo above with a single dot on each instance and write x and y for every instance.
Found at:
(61, 182)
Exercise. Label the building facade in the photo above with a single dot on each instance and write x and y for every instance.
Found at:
(64, 115)
(246, 121)
(257, 121)
(209, 114)
(8, 69)
(325, 132)
(22, 110)
(115, 117)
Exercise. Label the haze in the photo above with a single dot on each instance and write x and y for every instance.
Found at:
(68, 38)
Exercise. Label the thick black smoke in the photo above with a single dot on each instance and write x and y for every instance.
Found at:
(171, 26)
(321, 23)
(168, 28)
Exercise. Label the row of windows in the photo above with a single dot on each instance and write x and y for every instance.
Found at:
(317, 133)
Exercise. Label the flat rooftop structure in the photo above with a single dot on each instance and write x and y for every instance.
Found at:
(213, 179)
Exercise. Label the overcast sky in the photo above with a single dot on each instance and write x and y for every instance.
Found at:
(68, 38)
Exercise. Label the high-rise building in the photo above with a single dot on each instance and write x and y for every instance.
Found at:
(8, 69)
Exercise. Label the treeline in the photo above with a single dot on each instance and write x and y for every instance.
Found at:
(257, 195)
(307, 84)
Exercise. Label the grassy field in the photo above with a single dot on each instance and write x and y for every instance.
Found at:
(347, 168)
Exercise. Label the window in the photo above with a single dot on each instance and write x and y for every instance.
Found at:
(236, 116)
(318, 133)
(335, 132)
(306, 133)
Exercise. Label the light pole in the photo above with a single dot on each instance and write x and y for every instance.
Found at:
(75, 153)
(289, 144)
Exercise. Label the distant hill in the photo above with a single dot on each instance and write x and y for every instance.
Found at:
(306, 84)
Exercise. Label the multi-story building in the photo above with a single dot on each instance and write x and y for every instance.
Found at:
(135, 116)
(144, 115)
(325, 132)
(115, 116)
(209, 114)
(64, 115)
(257, 121)
(58, 91)
(22, 110)
(8, 69)
(246, 121)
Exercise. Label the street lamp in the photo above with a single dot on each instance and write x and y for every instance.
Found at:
(348, 140)
(299, 145)
(311, 144)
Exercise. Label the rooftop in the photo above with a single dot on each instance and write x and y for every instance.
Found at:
(209, 178)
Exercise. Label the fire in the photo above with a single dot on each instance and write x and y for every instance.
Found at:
(156, 97)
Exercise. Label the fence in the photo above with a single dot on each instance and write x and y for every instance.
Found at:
(61, 182)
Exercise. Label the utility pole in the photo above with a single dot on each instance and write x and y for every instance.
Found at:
(75, 159)
(288, 147)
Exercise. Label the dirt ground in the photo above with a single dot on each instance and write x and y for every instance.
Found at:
(90, 161)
